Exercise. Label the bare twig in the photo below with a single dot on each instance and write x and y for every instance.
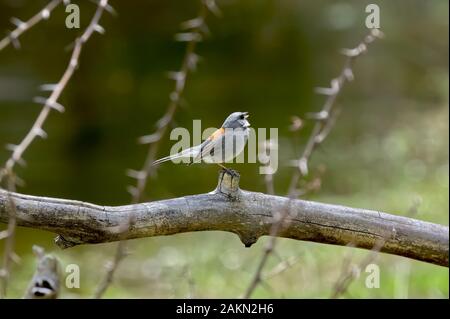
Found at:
(110, 269)
(350, 272)
(265, 148)
(281, 267)
(312, 185)
(3, 234)
(37, 129)
(327, 116)
(51, 103)
(325, 121)
(270, 187)
(279, 219)
(191, 284)
(278, 269)
(21, 27)
(195, 30)
(9, 243)
(187, 274)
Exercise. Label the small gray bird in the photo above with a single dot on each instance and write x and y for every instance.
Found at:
(221, 146)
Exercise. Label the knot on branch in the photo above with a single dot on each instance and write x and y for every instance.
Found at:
(64, 243)
(248, 239)
(228, 183)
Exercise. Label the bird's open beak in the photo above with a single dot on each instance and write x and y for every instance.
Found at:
(246, 123)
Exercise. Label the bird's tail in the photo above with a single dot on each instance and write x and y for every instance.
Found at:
(165, 159)
(183, 154)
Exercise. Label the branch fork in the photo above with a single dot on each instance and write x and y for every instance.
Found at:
(228, 184)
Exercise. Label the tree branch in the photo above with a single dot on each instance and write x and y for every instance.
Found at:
(195, 32)
(228, 208)
(21, 27)
(56, 90)
(196, 28)
(327, 116)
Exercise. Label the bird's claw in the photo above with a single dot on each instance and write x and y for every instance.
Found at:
(231, 172)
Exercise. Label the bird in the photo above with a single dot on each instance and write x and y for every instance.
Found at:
(222, 146)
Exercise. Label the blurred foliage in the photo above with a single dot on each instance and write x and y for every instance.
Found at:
(388, 150)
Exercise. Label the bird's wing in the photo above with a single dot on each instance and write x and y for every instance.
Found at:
(209, 144)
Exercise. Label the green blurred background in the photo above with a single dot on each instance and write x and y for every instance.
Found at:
(388, 150)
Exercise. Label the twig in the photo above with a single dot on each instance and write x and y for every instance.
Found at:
(327, 116)
(13, 37)
(21, 27)
(120, 254)
(325, 121)
(56, 89)
(37, 129)
(268, 249)
(196, 29)
(9, 243)
(3, 234)
(191, 284)
(111, 268)
(266, 147)
(187, 274)
(349, 273)
(281, 267)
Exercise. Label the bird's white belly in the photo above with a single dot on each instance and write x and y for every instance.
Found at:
(232, 144)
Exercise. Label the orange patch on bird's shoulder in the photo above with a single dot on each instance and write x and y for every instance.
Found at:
(216, 134)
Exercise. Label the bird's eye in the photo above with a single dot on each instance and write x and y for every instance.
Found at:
(242, 117)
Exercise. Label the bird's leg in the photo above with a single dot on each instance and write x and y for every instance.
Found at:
(223, 167)
(229, 171)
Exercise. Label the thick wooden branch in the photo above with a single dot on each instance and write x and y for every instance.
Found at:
(228, 208)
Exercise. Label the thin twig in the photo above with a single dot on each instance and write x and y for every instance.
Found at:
(21, 27)
(349, 272)
(187, 274)
(348, 275)
(191, 284)
(195, 31)
(281, 267)
(266, 147)
(325, 121)
(9, 243)
(111, 267)
(56, 89)
(327, 116)
(37, 129)
(279, 221)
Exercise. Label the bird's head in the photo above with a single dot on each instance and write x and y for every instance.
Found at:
(237, 120)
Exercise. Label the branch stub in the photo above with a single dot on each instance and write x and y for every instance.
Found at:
(228, 183)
